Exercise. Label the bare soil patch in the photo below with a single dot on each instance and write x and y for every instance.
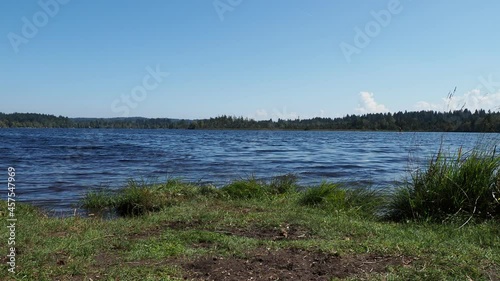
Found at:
(288, 264)
(282, 232)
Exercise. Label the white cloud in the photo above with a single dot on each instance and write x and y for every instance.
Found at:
(262, 114)
(284, 114)
(369, 105)
(471, 100)
(423, 105)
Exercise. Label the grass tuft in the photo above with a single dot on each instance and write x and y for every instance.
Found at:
(245, 189)
(210, 191)
(460, 185)
(324, 194)
(139, 198)
(284, 184)
(362, 200)
(97, 201)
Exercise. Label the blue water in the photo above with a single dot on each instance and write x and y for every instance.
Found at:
(55, 167)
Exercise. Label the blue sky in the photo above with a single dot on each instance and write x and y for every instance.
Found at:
(253, 58)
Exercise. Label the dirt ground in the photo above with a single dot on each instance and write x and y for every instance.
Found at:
(288, 264)
(283, 264)
(259, 264)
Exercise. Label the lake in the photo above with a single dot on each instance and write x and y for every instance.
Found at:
(56, 167)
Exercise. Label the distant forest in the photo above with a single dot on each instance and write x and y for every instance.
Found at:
(452, 121)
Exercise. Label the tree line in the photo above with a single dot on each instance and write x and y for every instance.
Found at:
(452, 121)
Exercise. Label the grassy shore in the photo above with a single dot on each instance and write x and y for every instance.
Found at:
(441, 225)
(270, 231)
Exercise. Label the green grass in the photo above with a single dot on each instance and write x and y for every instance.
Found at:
(142, 197)
(284, 184)
(245, 189)
(360, 200)
(162, 226)
(139, 197)
(453, 186)
(254, 188)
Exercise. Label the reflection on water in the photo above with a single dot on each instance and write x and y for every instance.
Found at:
(55, 167)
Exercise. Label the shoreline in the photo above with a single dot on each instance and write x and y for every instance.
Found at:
(236, 233)
(255, 129)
